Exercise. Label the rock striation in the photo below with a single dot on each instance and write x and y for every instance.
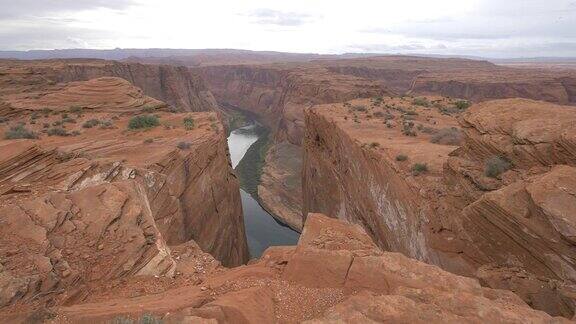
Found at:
(353, 281)
(512, 229)
(92, 199)
(178, 87)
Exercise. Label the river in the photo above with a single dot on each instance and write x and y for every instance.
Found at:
(262, 230)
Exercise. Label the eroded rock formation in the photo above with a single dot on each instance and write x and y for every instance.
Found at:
(352, 281)
(513, 228)
(86, 197)
(176, 86)
(279, 95)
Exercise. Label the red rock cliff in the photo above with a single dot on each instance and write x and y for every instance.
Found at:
(513, 230)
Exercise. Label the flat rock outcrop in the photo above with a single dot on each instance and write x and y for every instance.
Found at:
(352, 281)
(491, 198)
(178, 87)
(89, 196)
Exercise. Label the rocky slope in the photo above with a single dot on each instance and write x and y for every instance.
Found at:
(177, 86)
(86, 199)
(498, 208)
(353, 281)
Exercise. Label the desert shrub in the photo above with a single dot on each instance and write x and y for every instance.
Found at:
(106, 125)
(407, 129)
(46, 125)
(57, 131)
(418, 168)
(374, 145)
(462, 104)
(3, 120)
(91, 123)
(18, 132)
(359, 108)
(448, 136)
(378, 114)
(188, 123)
(184, 145)
(420, 102)
(75, 133)
(35, 115)
(401, 157)
(144, 121)
(495, 166)
(69, 120)
(149, 141)
(57, 123)
(75, 109)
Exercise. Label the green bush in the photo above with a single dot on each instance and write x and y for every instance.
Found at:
(462, 104)
(91, 123)
(57, 131)
(421, 102)
(448, 136)
(188, 123)
(106, 125)
(18, 132)
(144, 121)
(418, 168)
(401, 157)
(75, 109)
(184, 145)
(495, 166)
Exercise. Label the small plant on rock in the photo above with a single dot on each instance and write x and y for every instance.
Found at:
(421, 102)
(462, 104)
(57, 131)
(401, 157)
(448, 136)
(495, 166)
(144, 121)
(184, 145)
(91, 123)
(188, 123)
(19, 132)
(419, 168)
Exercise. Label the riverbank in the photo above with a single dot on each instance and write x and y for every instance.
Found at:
(247, 146)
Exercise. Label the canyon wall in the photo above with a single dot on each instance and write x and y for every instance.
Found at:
(177, 86)
(461, 78)
(278, 95)
(89, 197)
(513, 230)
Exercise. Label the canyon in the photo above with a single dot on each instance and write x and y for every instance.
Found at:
(425, 189)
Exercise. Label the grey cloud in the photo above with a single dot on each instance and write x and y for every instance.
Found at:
(49, 37)
(279, 18)
(13, 9)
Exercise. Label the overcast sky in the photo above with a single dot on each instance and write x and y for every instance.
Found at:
(491, 28)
